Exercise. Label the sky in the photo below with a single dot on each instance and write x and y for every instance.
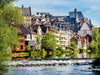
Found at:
(90, 8)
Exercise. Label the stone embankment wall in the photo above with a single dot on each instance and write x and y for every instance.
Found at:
(48, 62)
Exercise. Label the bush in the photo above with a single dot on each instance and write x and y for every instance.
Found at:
(81, 50)
(60, 52)
(96, 62)
(44, 53)
(28, 48)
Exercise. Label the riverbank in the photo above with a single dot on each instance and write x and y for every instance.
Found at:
(48, 62)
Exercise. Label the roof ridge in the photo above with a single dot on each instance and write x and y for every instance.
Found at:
(27, 29)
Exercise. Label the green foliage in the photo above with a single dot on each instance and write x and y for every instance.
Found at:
(73, 55)
(9, 16)
(73, 45)
(34, 47)
(60, 52)
(49, 42)
(44, 53)
(73, 49)
(28, 48)
(35, 54)
(38, 39)
(95, 33)
(94, 46)
(81, 50)
(5, 2)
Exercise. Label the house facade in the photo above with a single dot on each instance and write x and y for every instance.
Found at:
(21, 47)
(64, 38)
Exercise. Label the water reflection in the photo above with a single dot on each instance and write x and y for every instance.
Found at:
(51, 70)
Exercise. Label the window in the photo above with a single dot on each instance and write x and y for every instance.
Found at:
(21, 41)
(18, 48)
(21, 47)
(25, 36)
(26, 42)
(27, 19)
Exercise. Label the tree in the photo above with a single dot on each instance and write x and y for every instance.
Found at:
(94, 46)
(8, 34)
(72, 49)
(49, 43)
(5, 2)
(28, 48)
(95, 33)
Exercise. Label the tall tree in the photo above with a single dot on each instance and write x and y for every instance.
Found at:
(5, 2)
(95, 33)
(9, 16)
(73, 50)
(94, 46)
(49, 44)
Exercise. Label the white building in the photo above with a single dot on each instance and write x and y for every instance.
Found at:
(64, 38)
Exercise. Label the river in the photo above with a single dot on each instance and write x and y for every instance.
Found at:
(51, 70)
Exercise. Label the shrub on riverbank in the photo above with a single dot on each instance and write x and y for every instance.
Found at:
(96, 63)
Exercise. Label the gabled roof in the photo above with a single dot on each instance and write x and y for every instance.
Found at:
(85, 26)
(35, 27)
(24, 30)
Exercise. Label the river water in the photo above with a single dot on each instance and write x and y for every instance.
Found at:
(52, 70)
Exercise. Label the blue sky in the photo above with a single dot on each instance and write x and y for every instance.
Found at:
(90, 8)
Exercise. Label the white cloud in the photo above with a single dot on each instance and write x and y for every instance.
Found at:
(94, 7)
